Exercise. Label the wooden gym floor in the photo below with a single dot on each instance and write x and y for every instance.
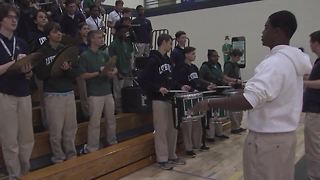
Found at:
(222, 162)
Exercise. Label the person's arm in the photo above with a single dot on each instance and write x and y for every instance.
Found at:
(5, 67)
(314, 84)
(264, 87)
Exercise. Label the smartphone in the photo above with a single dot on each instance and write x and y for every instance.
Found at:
(240, 43)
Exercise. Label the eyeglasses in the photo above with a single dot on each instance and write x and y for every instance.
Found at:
(12, 17)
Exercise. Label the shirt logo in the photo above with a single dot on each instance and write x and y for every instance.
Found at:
(165, 67)
(42, 40)
(193, 76)
(49, 60)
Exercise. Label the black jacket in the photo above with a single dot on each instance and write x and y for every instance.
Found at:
(189, 75)
(157, 74)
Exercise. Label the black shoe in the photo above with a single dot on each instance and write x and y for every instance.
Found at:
(204, 148)
(165, 166)
(191, 154)
(222, 136)
(236, 131)
(211, 140)
(242, 130)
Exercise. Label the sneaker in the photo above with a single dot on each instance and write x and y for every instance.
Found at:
(191, 154)
(178, 161)
(204, 148)
(242, 130)
(211, 140)
(222, 136)
(84, 150)
(165, 166)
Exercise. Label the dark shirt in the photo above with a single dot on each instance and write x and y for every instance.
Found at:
(25, 24)
(143, 31)
(83, 47)
(15, 84)
(189, 75)
(177, 56)
(212, 73)
(232, 70)
(70, 26)
(39, 39)
(157, 74)
(59, 84)
(311, 98)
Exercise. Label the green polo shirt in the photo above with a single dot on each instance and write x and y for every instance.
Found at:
(232, 69)
(123, 50)
(212, 73)
(90, 62)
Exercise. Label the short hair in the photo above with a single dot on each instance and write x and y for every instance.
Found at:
(80, 25)
(315, 36)
(180, 33)
(236, 52)
(163, 37)
(284, 20)
(5, 8)
(118, 2)
(211, 51)
(91, 34)
(51, 26)
(126, 10)
(139, 6)
(68, 2)
(38, 11)
(93, 6)
(189, 49)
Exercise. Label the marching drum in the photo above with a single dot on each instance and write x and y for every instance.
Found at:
(182, 102)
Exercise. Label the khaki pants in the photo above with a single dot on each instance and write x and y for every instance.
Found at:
(236, 119)
(215, 128)
(16, 133)
(83, 96)
(165, 135)
(269, 156)
(191, 133)
(62, 122)
(143, 49)
(118, 84)
(97, 105)
(312, 144)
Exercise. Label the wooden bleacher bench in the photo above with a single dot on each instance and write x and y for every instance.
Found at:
(108, 163)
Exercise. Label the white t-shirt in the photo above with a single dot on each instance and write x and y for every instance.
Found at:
(276, 91)
(114, 16)
(94, 24)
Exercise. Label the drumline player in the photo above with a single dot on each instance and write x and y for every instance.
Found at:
(16, 130)
(188, 73)
(232, 70)
(156, 79)
(59, 99)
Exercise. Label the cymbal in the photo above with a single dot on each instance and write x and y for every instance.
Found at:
(68, 54)
(32, 59)
(109, 65)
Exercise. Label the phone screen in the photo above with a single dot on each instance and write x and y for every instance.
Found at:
(240, 43)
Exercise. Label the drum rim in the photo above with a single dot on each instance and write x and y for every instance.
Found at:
(193, 117)
(189, 95)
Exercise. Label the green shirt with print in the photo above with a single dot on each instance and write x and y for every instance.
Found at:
(91, 62)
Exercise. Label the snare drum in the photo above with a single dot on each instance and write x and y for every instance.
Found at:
(182, 102)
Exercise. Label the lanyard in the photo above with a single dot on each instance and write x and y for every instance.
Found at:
(7, 49)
